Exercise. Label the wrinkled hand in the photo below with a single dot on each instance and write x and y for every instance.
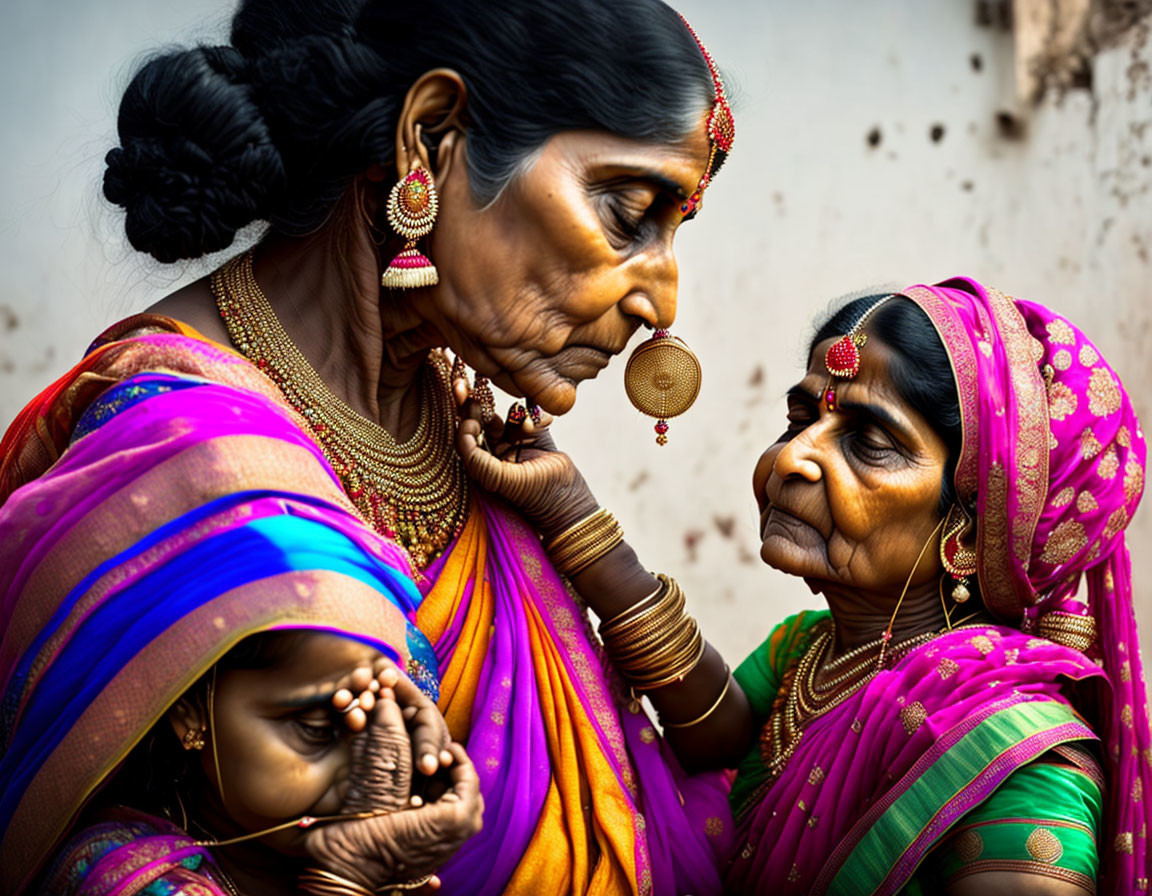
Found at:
(517, 459)
(397, 729)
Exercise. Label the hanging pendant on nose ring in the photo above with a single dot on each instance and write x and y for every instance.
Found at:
(662, 379)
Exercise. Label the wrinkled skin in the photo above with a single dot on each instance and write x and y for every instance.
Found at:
(330, 728)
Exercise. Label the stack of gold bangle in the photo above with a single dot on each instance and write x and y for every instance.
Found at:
(654, 643)
(584, 543)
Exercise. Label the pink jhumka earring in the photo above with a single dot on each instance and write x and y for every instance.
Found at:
(411, 210)
(662, 378)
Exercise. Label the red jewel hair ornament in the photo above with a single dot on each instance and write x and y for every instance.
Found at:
(662, 378)
(843, 357)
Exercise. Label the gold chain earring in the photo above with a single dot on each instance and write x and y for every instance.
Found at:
(662, 379)
(411, 210)
(957, 558)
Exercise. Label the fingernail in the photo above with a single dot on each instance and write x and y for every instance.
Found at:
(416, 801)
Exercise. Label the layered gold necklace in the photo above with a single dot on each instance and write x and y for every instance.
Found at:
(801, 700)
(414, 492)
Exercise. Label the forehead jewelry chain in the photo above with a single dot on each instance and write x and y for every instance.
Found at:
(663, 375)
(842, 360)
(721, 127)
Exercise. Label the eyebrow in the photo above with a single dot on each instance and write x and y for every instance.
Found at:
(799, 391)
(879, 413)
(667, 184)
(303, 702)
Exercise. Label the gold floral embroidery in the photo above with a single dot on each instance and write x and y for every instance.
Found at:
(1062, 360)
(497, 717)
(713, 827)
(1060, 333)
(986, 348)
(1088, 355)
(1133, 479)
(1089, 445)
(982, 643)
(1064, 497)
(1124, 437)
(1062, 401)
(813, 821)
(1033, 643)
(1126, 716)
(969, 846)
(794, 874)
(648, 734)
(1123, 842)
(1053, 444)
(1085, 503)
(1044, 846)
(1116, 522)
(1011, 656)
(1125, 671)
(1109, 582)
(1103, 393)
(947, 668)
(816, 775)
(1137, 790)
(1037, 349)
(1065, 542)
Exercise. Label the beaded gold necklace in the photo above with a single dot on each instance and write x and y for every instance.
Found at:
(800, 700)
(414, 492)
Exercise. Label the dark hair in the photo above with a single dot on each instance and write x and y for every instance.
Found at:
(275, 126)
(921, 371)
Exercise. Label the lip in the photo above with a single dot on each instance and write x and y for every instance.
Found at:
(588, 357)
(774, 513)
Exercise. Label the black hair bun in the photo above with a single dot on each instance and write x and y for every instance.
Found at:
(196, 161)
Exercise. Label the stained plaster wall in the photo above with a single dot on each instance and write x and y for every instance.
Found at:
(872, 149)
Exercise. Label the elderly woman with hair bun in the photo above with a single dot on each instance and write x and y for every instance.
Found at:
(498, 180)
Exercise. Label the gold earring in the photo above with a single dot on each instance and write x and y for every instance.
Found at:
(662, 379)
(193, 738)
(411, 210)
(957, 558)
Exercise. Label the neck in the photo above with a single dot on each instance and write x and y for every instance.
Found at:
(863, 617)
(325, 290)
(252, 866)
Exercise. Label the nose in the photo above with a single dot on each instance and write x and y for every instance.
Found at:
(654, 278)
(799, 458)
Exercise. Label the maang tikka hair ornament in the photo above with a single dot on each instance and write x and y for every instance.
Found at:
(411, 210)
(842, 359)
(662, 378)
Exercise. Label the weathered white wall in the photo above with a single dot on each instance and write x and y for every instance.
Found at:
(804, 211)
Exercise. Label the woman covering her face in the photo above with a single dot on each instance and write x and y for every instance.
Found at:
(969, 714)
(501, 179)
(199, 652)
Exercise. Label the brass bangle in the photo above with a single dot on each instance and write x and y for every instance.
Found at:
(392, 889)
(593, 520)
(711, 709)
(669, 603)
(676, 670)
(585, 542)
(635, 608)
(319, 882)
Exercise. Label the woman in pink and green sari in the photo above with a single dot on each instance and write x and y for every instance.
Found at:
(956, 477)
(969, 714)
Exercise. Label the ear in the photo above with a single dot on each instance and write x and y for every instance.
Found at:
(434, 105)
(187, 714)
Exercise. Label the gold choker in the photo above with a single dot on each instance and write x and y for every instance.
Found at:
(415, 492)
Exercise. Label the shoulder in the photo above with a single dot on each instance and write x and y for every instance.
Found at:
(113, 848)
(763, 669)
(1038, 829)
